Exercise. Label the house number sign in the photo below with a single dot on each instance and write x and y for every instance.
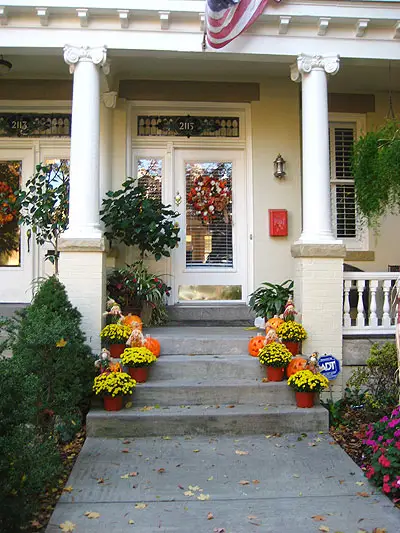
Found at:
(187, 126)
(35, 125)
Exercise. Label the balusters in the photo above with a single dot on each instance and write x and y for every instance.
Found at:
(360, 304)
(346, 304)
(373, 318)
(387, 284)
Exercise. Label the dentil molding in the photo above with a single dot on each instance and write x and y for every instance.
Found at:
(305, 64)
(97, 55)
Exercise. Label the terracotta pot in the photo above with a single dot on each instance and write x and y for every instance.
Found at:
(293, 347)
(113, 404)
(305, 399)
(140, 373)
(275, 374)
(116, 350)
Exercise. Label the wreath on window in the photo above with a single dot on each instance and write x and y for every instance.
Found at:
(7, 201)
(209, 197)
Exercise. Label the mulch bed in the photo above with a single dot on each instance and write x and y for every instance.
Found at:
(69, 453)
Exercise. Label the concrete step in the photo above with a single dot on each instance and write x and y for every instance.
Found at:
(232, 392)
(192, 340)
(209, 314)
(206, 367)
(203, 420)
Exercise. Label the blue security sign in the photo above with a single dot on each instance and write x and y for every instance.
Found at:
(329, 366)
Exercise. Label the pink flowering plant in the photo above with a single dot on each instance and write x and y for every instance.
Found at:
(383, 452)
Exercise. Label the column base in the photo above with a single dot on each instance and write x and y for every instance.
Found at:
(319, 298)
(82, 271)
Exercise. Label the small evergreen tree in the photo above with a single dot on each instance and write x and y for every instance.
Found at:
(50, 345)
(29, 459)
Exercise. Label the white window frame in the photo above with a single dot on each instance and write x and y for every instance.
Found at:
(358, 122)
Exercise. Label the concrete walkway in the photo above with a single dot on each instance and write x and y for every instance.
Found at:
(221, 485)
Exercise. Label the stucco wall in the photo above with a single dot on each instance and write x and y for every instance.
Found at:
(275, 129)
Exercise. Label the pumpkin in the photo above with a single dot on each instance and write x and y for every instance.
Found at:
(274, 323)
(133, 321)
(153, 345)
(255, 345)
(295, 365)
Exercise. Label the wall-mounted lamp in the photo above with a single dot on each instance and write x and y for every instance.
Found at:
(279, 167)
(5, 66)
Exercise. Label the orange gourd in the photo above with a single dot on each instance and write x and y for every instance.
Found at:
(133, 321)
(255, 345)
(295, 365)
(274, 322)
(153, 345)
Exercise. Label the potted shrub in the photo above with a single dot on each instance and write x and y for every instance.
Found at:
(306, 383)
(113, 386)
(114, 336)
(138, 360)
(270, 299)
(276, 357)
(134, 218)
(291, 333)
(139, 292)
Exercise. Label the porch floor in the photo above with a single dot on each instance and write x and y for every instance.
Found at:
(248, 484)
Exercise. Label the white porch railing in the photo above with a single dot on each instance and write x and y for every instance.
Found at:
(369, 303)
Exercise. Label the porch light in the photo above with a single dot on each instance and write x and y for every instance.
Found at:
(5, 66)
(279, 167)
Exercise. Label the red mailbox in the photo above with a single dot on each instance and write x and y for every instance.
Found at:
(278, 222)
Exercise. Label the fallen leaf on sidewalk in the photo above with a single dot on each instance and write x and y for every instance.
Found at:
(128, 405)
(363, 494)
(133, 474)
(140, 505)
(125, 450)
(256, 481)
(126, 441)
(210, 478)
(67, 526)
(252, 517)
(203, 497)
(131, 522)
(188, 493)
(210, 516)
(243, 482)
(219, 530)
(100, 480)
(196, 451)
(92, 514)
(241, 452)
(360, 483)
(318, 518)
(324, 528)
(166, 438)
(379, 530)
(68, 489)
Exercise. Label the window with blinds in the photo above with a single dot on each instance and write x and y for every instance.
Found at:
(341, 138)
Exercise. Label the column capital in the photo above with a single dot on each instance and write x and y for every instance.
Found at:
(306, 63)
(96, 55)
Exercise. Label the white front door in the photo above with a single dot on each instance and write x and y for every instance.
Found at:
(16, 261)
(211, 261)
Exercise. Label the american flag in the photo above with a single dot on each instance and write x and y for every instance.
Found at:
(227, 19)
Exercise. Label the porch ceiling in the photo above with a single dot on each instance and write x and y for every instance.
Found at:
(355, 75)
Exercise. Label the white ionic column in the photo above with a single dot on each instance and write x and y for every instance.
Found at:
(109, 102)
(312, 71)
(85, 64)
